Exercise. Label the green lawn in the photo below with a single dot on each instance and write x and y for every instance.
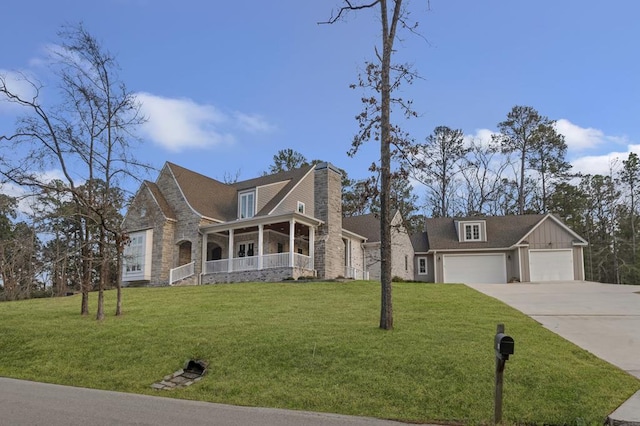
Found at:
(316, 346)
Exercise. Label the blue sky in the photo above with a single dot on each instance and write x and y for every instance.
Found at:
(226, 84)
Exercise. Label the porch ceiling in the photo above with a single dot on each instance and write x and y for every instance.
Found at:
(269, 222)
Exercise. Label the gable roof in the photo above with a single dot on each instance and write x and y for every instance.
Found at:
(367, 225)
(217, 200)
(293, 176)
(166, 209)
(207, 196)
(420, 242)
(502, 231)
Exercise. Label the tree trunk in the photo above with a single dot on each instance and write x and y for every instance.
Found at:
(104, 262)
(386, 308)
(87, 265)
(521, 189)
(119, 248)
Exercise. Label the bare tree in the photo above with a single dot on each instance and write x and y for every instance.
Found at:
(87, 137)
(443, 154)
(534, 139)
(375, 121)
(630, 176)
(482, 174)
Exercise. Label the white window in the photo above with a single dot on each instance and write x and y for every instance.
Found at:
(137, 257)
(300, 207)
(472, 232)
(247, 205)
(422, 266)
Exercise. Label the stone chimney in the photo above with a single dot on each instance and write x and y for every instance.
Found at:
(329, 247)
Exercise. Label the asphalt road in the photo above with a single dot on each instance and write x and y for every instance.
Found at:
(34, 404)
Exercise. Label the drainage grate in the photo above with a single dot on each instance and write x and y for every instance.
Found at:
(192, 372)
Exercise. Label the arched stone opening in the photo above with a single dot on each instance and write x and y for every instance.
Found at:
(184, 253)
(214, 252)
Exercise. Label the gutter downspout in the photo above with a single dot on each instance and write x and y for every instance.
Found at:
(435, 267)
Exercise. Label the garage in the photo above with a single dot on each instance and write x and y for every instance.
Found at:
(474, 268)
(551, 265)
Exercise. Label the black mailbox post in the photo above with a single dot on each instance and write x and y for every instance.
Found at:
(504, 346)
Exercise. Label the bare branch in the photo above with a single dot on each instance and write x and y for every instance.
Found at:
(349, 7)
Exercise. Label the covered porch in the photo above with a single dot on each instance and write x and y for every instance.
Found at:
(269, 248)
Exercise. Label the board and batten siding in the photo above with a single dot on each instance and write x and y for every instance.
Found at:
(550, 235)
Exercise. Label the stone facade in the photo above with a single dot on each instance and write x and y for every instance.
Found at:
(309, 198)
(145, 214)
(264, 275)
(329, 247)
(402, 254)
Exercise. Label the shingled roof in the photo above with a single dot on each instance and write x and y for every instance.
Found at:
(420, 242)
(217, 200)
(502, 231)
(207, 196)
(367, 225)
(160, 200)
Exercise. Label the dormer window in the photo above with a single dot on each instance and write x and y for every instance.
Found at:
(472, 231)
(246, 204)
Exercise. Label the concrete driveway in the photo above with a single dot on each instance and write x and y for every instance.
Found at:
(601, 318)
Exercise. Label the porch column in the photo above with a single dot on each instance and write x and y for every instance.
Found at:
(205, 248)
(312, 246)
(230, 261)
(260, 242)
(292, 231)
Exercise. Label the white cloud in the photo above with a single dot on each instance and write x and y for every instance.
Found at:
(18, 84)
(604, 163)
(253, 123)
(586, 138)
(484, 136)
(26, 199)
(179, 124)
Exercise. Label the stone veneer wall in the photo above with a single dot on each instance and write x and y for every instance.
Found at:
(329, 247)
(401, 250)
(263, 275)
(186, 228)
(162, 234)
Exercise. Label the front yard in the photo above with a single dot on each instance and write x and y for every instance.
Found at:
(316, 346)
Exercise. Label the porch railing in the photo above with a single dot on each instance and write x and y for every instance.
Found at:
(181, 272)
(355, 273)
(250, 263)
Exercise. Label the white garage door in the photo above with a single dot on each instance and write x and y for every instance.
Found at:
(551, 265)
(474, 268)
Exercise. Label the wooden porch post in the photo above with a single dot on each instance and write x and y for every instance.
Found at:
(312, 244)
(230, 261)
(292, 231)
(260, 242)
(205, 248)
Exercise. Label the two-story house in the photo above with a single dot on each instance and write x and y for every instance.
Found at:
(186, 227)
(190, 229)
